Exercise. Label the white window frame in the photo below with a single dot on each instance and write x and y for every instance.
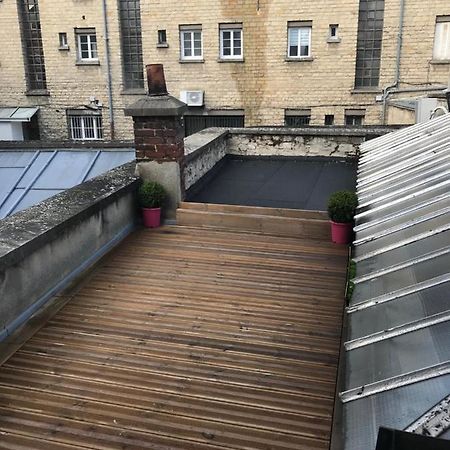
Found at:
(232, 31)
(441, 47)
(92, 49)
(299, 43)
(191, 32)
(88, 128)
(63, 41)
(335, 27)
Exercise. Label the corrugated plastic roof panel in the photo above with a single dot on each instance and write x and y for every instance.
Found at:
(28, 177)
(397, 349)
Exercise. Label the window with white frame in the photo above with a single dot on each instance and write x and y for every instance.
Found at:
(354, 117)
(299, 39)
(87, 45)
(85, 126)
(441, 50)
(231, 41)
(191, 42)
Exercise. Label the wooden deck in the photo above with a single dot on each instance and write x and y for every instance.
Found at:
(186, 338)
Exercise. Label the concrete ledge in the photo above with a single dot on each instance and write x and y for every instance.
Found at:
(203, 151)
(42, 248)
(198, 143)
(364, 131)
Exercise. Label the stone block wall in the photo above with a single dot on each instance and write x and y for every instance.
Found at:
(263, 85)
(261, 142)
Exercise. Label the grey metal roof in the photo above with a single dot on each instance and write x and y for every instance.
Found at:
(28, 177)
(397, 352)
(17, 114)
(404, 104)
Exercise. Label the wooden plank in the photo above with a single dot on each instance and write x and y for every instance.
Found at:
(272, 225)
(239, 209)
(188, 338)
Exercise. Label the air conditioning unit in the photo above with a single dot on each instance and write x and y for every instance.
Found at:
(192, 98)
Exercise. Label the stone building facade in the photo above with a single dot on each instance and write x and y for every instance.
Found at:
(264, 62)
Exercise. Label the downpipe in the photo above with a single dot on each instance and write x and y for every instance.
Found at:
(108, 71)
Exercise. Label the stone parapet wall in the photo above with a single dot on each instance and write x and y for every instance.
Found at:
(204, 150)
(44, 247)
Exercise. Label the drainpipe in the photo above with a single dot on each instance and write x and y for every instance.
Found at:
(108, 72)
(388, 90)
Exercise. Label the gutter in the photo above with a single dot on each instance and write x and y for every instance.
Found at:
(108, 71)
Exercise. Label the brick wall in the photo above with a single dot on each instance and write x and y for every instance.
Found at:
(264, 85)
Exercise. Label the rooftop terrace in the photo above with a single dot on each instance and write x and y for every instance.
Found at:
(185, 338)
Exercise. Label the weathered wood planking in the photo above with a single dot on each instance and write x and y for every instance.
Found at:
(186, 338)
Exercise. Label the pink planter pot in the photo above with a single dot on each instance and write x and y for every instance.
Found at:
(151, 217)
(341, 233)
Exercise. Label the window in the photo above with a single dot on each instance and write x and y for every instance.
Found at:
(354, 117)
(32, 44)
(231, 41)
(441, 50)
(191, 42)
(162, 38)
(297, 117)
(370, 35)
(219, 118)
(131, 43)
(87, 45)
(299, 39)
(85, 125)
(329, 119)
(63, 44)
(333, 33)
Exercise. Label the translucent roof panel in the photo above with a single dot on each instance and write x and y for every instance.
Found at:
(393, 409)
(403, 253)
(404, 219)
(409, 308)
(380, 210)
(400, 279)
(398, 355)
(406, 234)
(28, 177)
(397, 346)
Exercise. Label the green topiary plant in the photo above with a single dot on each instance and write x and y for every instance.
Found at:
(342, 206)
(151, 195)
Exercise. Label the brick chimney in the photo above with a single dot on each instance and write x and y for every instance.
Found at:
(159, 137)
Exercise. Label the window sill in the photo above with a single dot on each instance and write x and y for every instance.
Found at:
(304, 59)
(367, 90)
(37, 93)
(191, 61)
(133, 91)
(231, 60)
(162, 45)
(88, 63)
(440, 61)
(333, 40)
(64, 49)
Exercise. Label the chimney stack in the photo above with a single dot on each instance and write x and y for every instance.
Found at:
(159, 136)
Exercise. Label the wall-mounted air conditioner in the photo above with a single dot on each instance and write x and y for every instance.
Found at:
(192, 98)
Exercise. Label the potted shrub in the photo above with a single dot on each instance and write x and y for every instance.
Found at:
(341, 210)
(151, 196)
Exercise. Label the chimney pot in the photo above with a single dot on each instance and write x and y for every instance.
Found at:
(156, 80)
